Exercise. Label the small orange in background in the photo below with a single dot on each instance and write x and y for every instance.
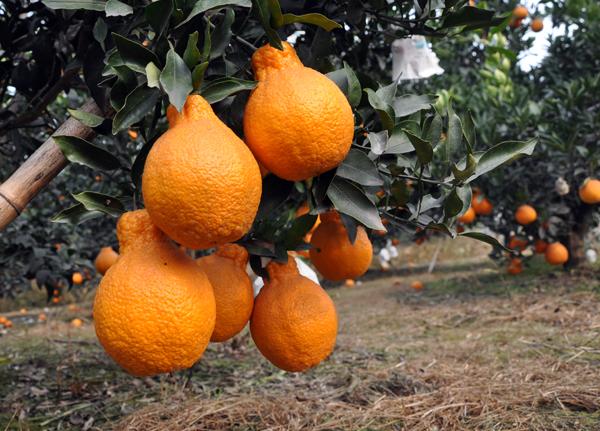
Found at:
(349, 283)
(525, 214)
(556, 254)
(76, 323)
(98, 178)
(77, 278)
(589, 192)
(132, 134)
(72, 307)
(515, 23)
(482, 205)
(380, 232)
(7, 324)
(517, 243)
(61, 198)
(537, 25)
(420, 240)
(540, 246)
(395, 241)
(55, 300)
(23, 311)
(416, 285)
(515, 267)
(105, 259)
(3, 320)
(468, 217)
(520, 12)
(57, 246)
(42, 317)
(56, 292)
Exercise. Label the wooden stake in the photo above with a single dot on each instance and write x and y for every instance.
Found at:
(39, 169)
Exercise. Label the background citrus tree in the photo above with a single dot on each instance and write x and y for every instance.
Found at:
(555, 101)
(134, 58)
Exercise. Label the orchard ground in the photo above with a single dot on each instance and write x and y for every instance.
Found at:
(475, 349)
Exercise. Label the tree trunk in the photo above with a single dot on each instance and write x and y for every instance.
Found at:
(39, 169)
(576, 239)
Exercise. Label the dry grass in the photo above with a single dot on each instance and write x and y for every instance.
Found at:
(476, 350)
(427, 362)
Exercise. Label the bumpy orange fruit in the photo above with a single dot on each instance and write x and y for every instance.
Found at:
(294, 322)
(105, 259)
(589, 192)
(297, 122)
(556, 254)
(332, 253)
(154, 311)
(525, 214)
(226, 271)
(201, 184)
(482, 205)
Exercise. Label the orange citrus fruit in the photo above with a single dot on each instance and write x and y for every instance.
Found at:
(515, 267)
(517, 243)
(417, 285)
(77, 278)
(540, 246)
(556, 254)
(520, 12)
(537, 25)
(481, 205)
(468, 217)
(589, 192)
(76, 323)
(201, 184)
(154, 311)
(294, 322)
(525, 214)
(297, 122)
(332, 253)
(226, 271)
(105, 259)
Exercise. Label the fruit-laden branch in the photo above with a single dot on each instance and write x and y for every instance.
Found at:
(39, 169)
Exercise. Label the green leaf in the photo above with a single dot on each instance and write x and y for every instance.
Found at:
(275, 12)
(359, 168)
(387, 93)
(400, 192)
(204, 5)
(311, 18)
(222, 34)
(87, 118)
(468, 128)
(485, 238)
(100, 31)
(502, 153)
(294, 236)
(117, 8)
(399, 143)
(411, 103)
(455, 134)
(158, 14)
(379, 142)
(434, 130)
(422, 147)
(221, 88)
(176, 79)
(263, 10)
(97, 5)
(137, 104)
(468, 15)
(153, 75)
(351, 200)
(385, 111)
(80, 151)
(198, 75)
(74, 215)
(471, 165)
(452, 204)
(354, 92)
(465, 194)
(134, 54)
(106, 204)
(206, 44)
